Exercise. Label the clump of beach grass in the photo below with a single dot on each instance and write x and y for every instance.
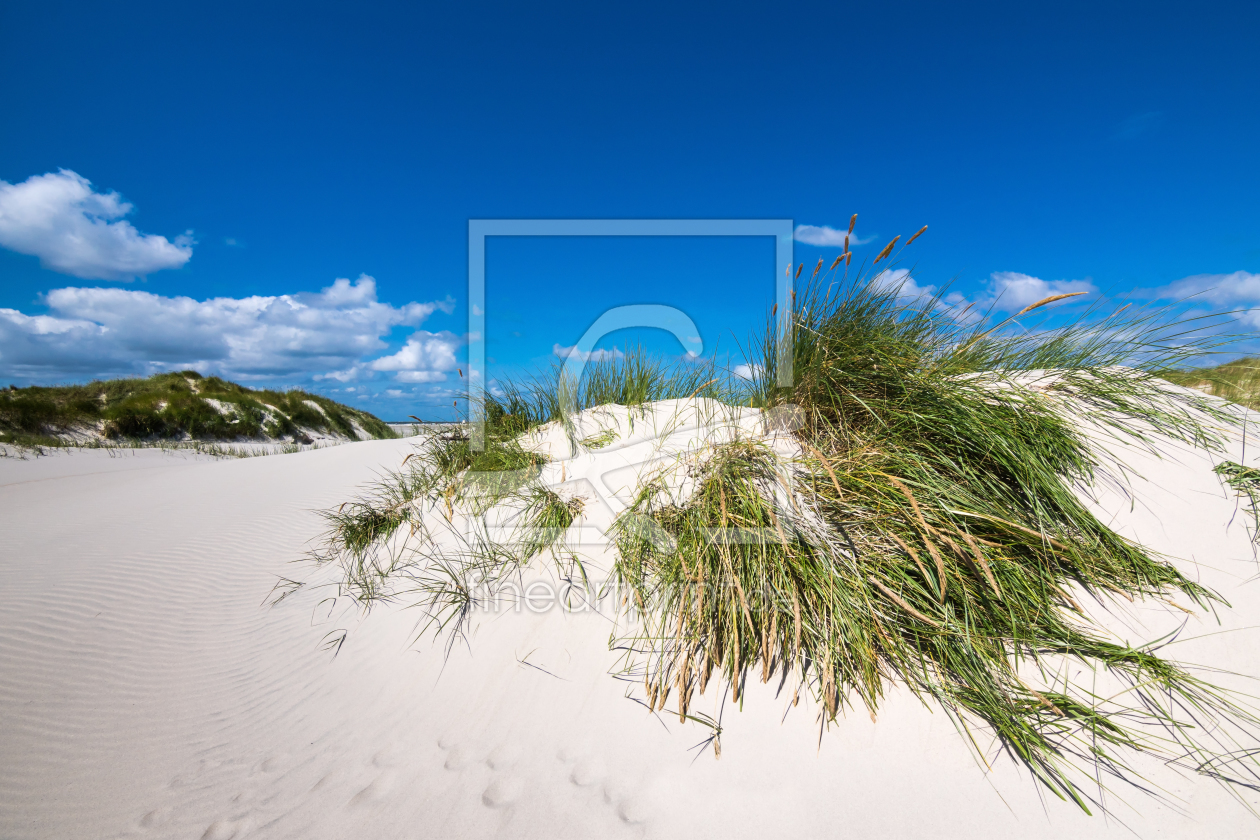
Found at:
(929, 535)
(1246, 482)
(446, 476)
(632, 380)
(928, 531)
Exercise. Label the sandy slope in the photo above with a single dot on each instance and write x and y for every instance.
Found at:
(144, 692)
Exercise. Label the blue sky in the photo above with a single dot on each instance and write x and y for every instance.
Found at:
(311, 169)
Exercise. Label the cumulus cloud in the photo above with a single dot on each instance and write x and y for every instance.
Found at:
(422, 358)
(1239, 291)
(826, 237)
(95, 331)
(899, 279)
(1010, 291)
(747, 371)
(592, 356)
(75, 230)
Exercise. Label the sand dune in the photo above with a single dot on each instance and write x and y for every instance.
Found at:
(146, 692)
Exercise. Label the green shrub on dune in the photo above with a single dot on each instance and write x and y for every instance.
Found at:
(175, 406)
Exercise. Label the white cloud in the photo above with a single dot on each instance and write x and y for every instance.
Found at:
(826, 237)
(905, 285)
(75, 230)
(1239, 291)
(592, 356)
(1010, 291)
(422, 358)
(953, 303)
(1242, 288)
(96, 331)
(746, 371)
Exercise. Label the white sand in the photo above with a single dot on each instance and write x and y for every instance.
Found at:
(144, 692)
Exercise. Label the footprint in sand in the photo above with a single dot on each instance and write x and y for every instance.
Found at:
(375, 791)
(156, 818)
(227, 829)
(504, 757)
(587, 772)
(458, 758)
(274, 764)
(503, 791)
(632, 810)
(391, 756)
(332, 777)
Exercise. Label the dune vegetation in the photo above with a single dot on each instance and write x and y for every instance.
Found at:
(1237, 381)
(929, 533)
(183, 405)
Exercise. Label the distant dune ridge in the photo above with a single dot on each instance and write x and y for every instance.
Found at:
(177, 406)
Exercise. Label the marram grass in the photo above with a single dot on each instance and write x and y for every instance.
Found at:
(927, 534)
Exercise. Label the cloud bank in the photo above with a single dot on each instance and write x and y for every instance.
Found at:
(111, 332)
(75, 230)
(1011, 291)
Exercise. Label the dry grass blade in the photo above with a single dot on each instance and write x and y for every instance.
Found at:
(1030, 307)
(899, 601)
